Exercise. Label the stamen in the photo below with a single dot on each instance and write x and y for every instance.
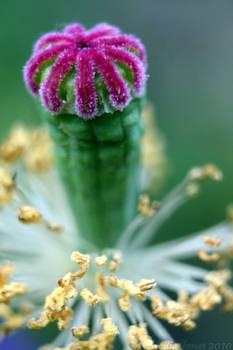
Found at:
(138, 337)
(101, 261)
(204, 256)
(89, 298)
(11, 320)
(212, 241)
(55, 307)
(28, 215)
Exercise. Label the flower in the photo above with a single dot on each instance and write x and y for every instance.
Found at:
(98, 295)
(101, 69)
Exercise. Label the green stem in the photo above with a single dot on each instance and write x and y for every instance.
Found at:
(98, 161)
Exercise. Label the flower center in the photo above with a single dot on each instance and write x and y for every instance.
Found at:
(82, 45)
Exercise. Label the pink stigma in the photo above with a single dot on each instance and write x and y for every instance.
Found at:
(102, 52)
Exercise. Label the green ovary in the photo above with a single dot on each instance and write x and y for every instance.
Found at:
(99, 161)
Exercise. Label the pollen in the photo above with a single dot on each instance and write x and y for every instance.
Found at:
(32, 147)
(28, 215)
(89, 298)
(204, 256)
(130, 289)
(5, 271)
(101, 261)
(146, 208)
(80, 331)
(213, 172)
(192, 189)
(11, 319)
(8, 291)
(55, 307)
(177, 314)
(114, 263)
(156, 305)
(212, 241)
(103, 341)
(15, 146)
(54, 227)
(138, 337)
(207, 299)
(6, 186)
(5, 180)
(101, 289)
(38, 157)
(208, 171)
(109, 328)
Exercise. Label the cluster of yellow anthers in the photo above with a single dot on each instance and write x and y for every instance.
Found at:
(55, 307)
(204, 256)
(208, 171)
(186, 309)
(8, 290)
(33, 147)
(199, 174)
(102, 340)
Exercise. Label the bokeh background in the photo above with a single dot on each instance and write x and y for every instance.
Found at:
(190, 54)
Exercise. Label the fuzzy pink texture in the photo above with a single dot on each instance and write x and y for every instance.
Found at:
(92, 51)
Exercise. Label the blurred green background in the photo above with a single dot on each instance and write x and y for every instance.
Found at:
(190, 54)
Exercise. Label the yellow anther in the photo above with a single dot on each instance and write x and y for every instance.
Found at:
(101, 341)
(177, 314)
(228, 300)
(156, 305)
(124, 302)
(15, 146)
(5, 180)
(101, 261)
(79, 258)
(130, 289)
(114, 263)
(204, 256)
(145, 208)
(10, 320)
(208, 171)
(207, 299)
(5, 271)
(138, 336)
(8, 291)
(218, 279)
(196, 174)
(145, 285)
(213, 172)
(38, 156)
(89, 298)
(109, 328)
(101, 289)
(54, 227)
(80, 331)
(192, 189)
(28, 215)
(133, 340)
(212, 241)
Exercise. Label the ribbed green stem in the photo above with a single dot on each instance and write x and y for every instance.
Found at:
(98, 161)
